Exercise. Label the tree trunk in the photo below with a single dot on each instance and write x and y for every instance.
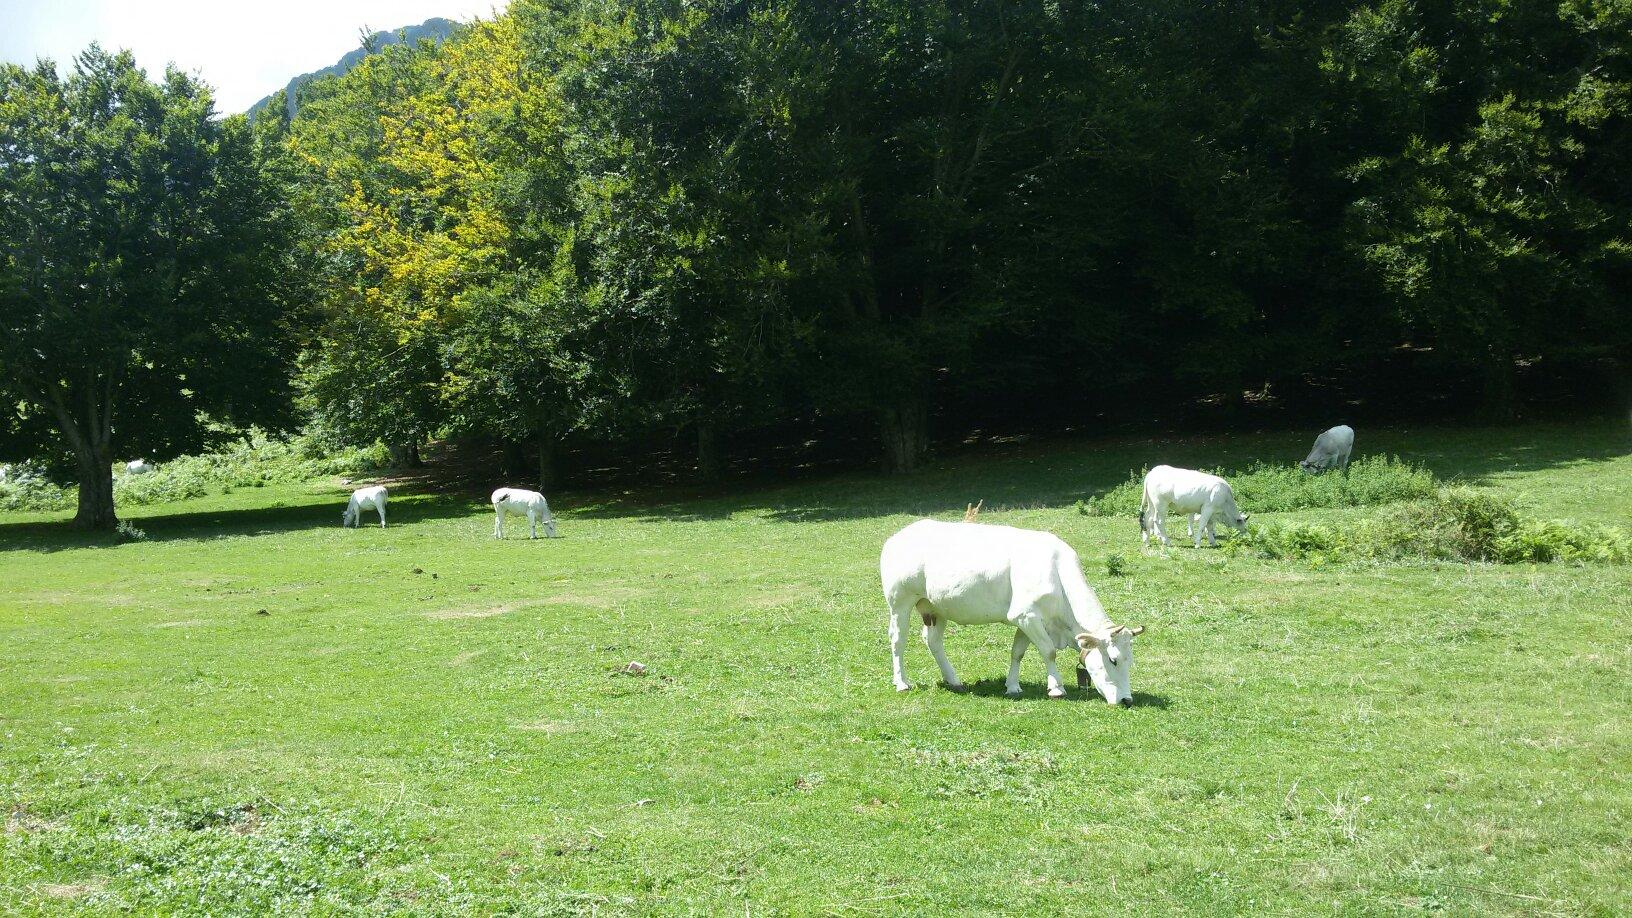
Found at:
(403, 455)
(95, 491)
(708, 451)
(1498, 403)
(546, 464)
(904, 427)
(515, 462)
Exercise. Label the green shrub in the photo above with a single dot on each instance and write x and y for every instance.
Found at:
(1457, 524)
(26, 488)
(1116, 565)
(1266, 488)
(249, 463)
(127, 532)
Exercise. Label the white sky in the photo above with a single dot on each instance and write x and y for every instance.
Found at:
(246, 49)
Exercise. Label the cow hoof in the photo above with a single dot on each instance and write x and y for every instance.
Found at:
(1012, 693)
(903, 686)
(1056, 693)
(960, 688)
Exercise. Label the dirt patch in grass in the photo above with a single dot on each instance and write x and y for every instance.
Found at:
(71, 890)
(184, 623)
(483, 612)
(20, 820)
(551, 727)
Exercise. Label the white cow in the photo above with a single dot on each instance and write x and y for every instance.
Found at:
(522, 503)
(975, 574)
(1331, 448)
(372, 498)
(1209, 497)
(138, 467)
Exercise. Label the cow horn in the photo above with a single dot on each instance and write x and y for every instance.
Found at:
(1135, 631)
(973, 510)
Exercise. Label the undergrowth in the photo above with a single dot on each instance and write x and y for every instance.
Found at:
(251, 463)
(1457, 524)
(1266, 488)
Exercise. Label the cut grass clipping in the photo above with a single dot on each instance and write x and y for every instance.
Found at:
(1456, 524)
(1265, 488)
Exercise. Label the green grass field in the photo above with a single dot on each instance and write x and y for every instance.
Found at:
(428, 721)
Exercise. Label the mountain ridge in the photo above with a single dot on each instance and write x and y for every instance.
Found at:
(436, 29)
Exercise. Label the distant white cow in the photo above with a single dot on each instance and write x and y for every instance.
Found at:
(1209, 497)
(975, 574)
(372, 498)
(522, 503)
(138, 467)
(1332, 448)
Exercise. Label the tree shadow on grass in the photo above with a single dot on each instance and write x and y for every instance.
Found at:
(1032, 475)
(1054, 474)
(316, 511)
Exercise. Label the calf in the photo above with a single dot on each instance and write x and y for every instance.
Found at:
(372, 498)
(519, 502)
(1209, 497)
(138, 467)
(1332, 448)
(975, 574)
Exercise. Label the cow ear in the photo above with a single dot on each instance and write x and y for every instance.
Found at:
(1136, 630)
(1087, 642)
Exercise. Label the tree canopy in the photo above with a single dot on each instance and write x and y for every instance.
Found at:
(145, 283)
(603, 222)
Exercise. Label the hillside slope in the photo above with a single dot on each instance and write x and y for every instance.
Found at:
(436, 29)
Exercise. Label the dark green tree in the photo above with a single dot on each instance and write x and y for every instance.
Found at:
(145, 288)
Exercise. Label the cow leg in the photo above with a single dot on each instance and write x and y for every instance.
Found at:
(498, 523)
(532, 523)
(1206, 525)
(381, 508)
(934, 631)
(900, 621)
(1032, 625)
(1160, 520)
(1016, 654)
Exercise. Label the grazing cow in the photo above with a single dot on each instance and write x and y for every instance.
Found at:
(138, 467)
(529, 503)
(364, 499)
(975, 574)
(1332, 448)
(1209, 497)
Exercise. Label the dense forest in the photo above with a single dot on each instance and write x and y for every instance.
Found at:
(596, 225)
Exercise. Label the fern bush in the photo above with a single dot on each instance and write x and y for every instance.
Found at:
(1266, 488)
(250, 463)
(1457, 524)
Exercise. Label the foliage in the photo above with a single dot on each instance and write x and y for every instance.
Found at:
(145, 279)
(1458, 524)
(27, 487)
(127, 531)
(1267, 488)
(251, 462)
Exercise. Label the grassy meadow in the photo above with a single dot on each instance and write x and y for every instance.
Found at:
(257, 710)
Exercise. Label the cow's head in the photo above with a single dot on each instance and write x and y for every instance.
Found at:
(1232, 514)
(1109, 663)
